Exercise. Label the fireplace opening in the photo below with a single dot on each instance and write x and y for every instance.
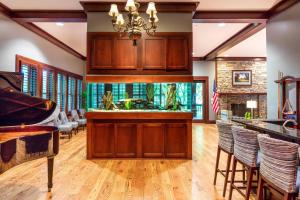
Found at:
(239, 110)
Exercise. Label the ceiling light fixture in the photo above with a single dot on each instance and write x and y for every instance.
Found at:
(221, 24)
(59, 24)
(134, 24)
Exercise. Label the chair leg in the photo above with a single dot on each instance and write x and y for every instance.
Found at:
(227, 173)
(232, 177)
(260, 189)
(287, 196)
(217, 165)
(249, 183)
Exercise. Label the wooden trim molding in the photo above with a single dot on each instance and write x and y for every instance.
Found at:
(138, 79)
(229, 17)
(205, 80)
(280, 7)
(245, 33)
(198, 58)
(182, 7)
(241, 59)
(50, 15)
(30, 26)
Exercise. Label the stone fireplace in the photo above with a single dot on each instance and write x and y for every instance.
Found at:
(235, 98)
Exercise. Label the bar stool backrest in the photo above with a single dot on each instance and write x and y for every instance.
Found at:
(279, 162)
(225, 135)
(245, 145)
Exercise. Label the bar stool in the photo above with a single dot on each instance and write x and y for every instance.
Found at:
(226, 145)
(279, 167)
(246, 153)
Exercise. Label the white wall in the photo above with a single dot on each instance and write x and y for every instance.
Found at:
(15, 39)
(283, 48)
(168, 22)
(206, 68)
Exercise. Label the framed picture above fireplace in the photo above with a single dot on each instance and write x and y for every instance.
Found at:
(241, 77)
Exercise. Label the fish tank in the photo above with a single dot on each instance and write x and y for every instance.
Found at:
(164, 97)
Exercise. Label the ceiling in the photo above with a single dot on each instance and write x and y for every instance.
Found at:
(240, 5)
(206, 36)
(254, 46)
(72, 34)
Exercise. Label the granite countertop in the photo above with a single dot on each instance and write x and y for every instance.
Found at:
(269, 127)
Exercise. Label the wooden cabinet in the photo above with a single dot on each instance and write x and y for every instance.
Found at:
(139, 135)
(103, 137)
(178, 53)
(176, 140)
(102, 52)
(125, 140)
(153, 140)
(154, 53)
(163, 54)
(125, 54)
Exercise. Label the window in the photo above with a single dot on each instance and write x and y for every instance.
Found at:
(61, 91)
(139, 90)
(71, 93)
(79, 94)
(118, 91)
(198, 100)
(96, 92)
(184, 92)
(48, 85)
(29, 79)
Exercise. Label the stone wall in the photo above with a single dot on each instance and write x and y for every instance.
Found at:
(259, 76)
(259, 85)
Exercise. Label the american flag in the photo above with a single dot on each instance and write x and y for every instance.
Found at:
(215, 99)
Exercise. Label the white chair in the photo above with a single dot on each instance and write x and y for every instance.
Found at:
(63, 128)
(81, 122)
(65, 120)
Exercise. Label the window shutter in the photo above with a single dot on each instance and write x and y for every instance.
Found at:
(25, 72)
(33, 81)
(45, 85)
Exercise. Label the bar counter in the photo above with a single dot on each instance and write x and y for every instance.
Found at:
(139, 134)
(272, 127)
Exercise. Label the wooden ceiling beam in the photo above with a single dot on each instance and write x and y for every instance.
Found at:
(50, 15)
(92, 6)
(245, 33)
(229, 17)
(280, 7)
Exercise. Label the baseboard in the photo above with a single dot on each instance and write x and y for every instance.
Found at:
(211, 122)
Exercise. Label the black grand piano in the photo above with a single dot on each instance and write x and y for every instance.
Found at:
(25, 133)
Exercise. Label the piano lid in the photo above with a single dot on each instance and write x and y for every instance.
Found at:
(17, 108)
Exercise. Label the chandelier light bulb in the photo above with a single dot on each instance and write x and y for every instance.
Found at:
(113, 10)
(151, 8)
(155, 18)
(130, 5)
(120, 19)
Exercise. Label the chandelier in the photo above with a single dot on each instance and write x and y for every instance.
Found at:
(134, 24)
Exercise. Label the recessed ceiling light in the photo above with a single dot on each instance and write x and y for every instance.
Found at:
(226, 55)
(193, 53)
(59, 24)
(221, 24)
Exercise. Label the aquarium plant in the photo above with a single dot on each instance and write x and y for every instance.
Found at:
(108, 101)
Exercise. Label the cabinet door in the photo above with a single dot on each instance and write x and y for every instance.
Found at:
(103, 137)
(125, 140)
(153, 140)
(125, 54)
(178, 53)
(102, 52)
(176, 140)
(154, 53)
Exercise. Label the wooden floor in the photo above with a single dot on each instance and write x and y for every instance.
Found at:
(78, 178)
